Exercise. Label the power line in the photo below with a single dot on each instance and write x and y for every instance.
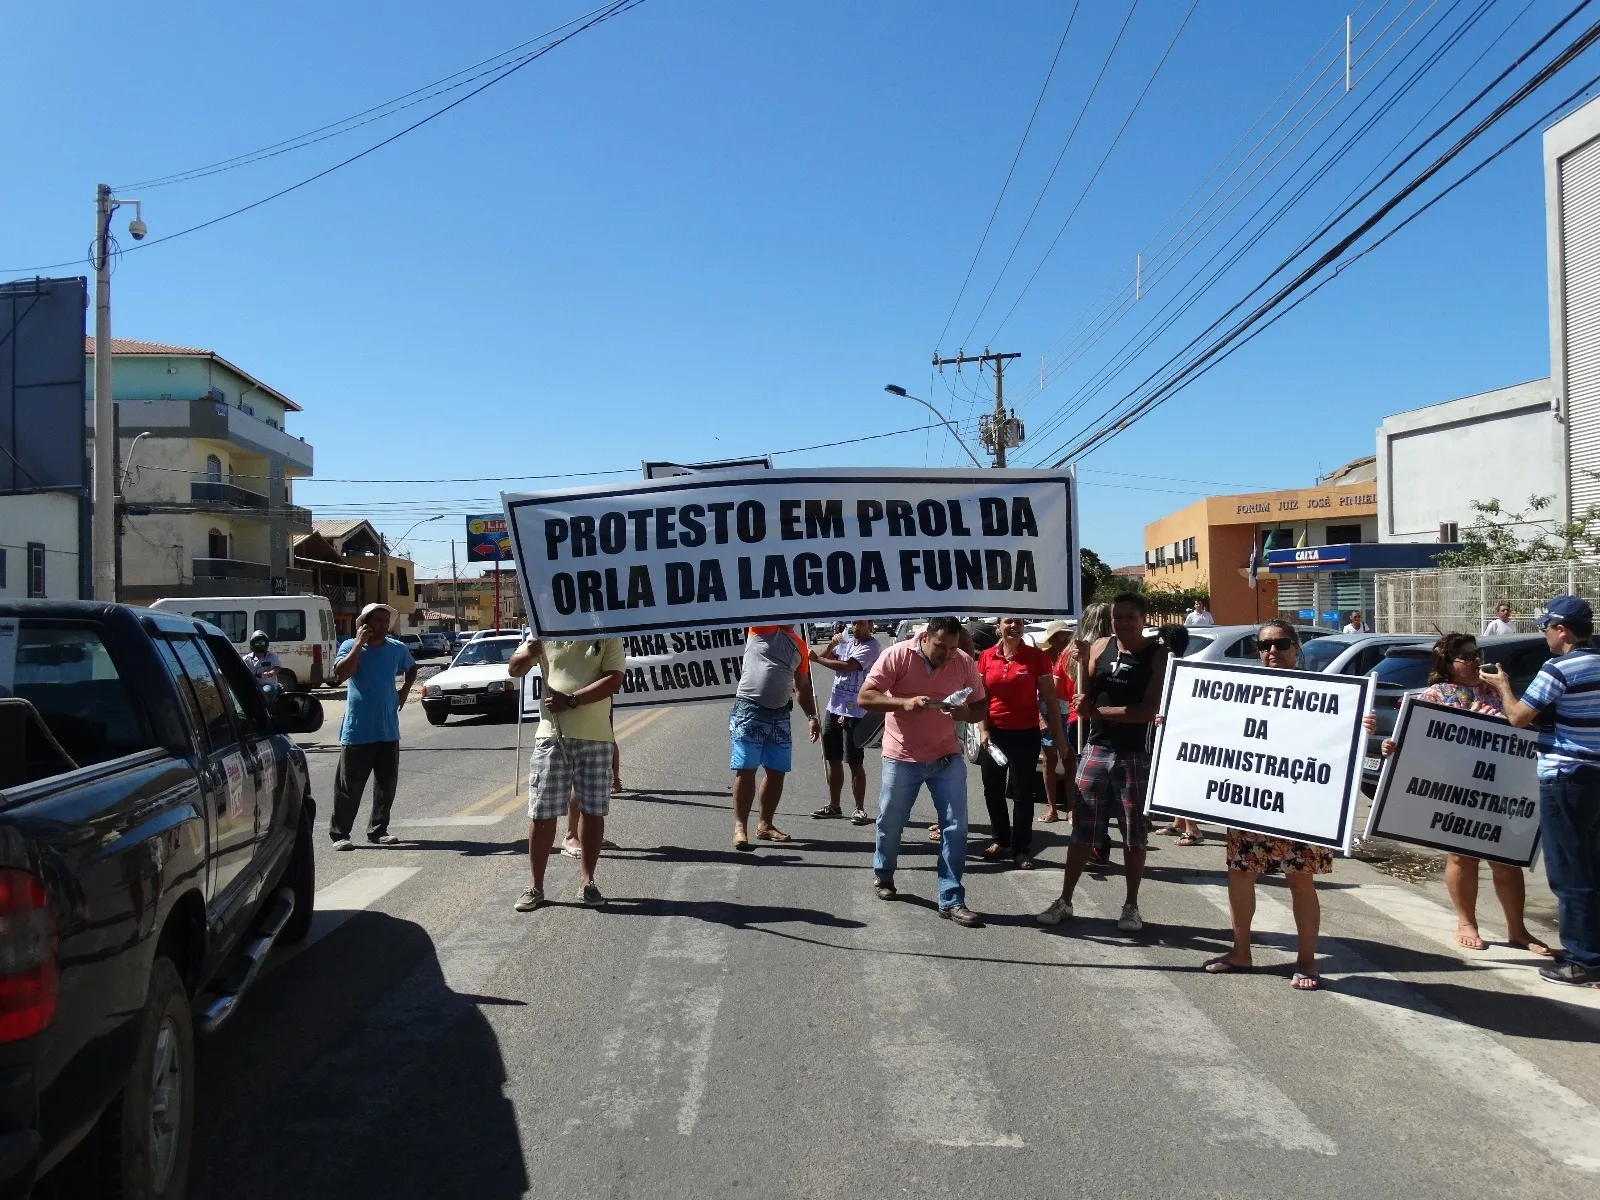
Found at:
(614, 9)
(1006, 183)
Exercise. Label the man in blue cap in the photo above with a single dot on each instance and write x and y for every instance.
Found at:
(1567, 689)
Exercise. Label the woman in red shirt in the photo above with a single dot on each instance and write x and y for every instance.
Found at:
(1017, 677)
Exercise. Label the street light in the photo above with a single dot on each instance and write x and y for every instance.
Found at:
(896, 390)
(407, 533)
(383, 565)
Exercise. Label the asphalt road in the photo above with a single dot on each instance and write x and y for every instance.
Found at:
(760, 1023)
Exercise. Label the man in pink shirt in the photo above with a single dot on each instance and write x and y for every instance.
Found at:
(909, 684)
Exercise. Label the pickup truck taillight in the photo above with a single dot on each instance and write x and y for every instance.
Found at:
(30, 981)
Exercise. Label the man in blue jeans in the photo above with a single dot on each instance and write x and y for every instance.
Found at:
(1567, 688)
(909, 684)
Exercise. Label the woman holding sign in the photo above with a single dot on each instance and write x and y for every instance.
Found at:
(1454, 679)
(1251, 855)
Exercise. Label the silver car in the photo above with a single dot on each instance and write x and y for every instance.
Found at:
(1354, 653)
(1235, 643)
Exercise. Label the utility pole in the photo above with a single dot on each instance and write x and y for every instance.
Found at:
(997, 431)
(102, 521)
(455, 584)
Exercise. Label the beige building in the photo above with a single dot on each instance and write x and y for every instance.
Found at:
(349, 563)
(207, 468)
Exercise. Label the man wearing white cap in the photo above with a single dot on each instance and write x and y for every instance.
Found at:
(367, 665)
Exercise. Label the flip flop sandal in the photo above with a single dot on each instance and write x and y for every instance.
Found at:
(1305, 983)
(741, 842)
(1192, 839)
(1168, 831)
(933, 834)
(1533, 946)
(1049, 818)
(1223, 965)
(1024, 863)
(993, 851)
(772, 834)
(823, 814)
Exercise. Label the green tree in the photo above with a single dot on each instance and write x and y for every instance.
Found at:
(1499, 536)
(1094, 577)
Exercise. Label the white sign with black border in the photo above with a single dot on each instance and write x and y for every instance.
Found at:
(1277, 752)
(1459, 781)
(765, 547)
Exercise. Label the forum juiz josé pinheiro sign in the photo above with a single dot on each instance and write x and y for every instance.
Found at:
(781, 546)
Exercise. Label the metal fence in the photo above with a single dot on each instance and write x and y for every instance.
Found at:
(1450, 599)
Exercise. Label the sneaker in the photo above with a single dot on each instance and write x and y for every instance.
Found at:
(530, 899)
(1569, 973)
(384, 839)
(1060, 910)
(343, 844)
(962, 916)
(572, 848)
(591, 896)
(1130, 921)
(884, 891)
(826, 813)
(859, 817)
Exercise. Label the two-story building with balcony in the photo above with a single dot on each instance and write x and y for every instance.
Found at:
(208, 468)
(349, 562)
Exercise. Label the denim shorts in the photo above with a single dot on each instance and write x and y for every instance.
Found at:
(759, 737)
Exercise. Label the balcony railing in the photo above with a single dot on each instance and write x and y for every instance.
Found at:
(340, 595)
(204, 490)
(297, 516)
(230, 568)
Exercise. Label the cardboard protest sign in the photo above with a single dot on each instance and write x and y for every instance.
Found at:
(1273, 751)
(762, 547)
(1459, 781)
(683, 666)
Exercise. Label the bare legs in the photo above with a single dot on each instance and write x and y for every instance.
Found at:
(1078, 858)
(744, 795)
(590, 833)
(1461, 880)
(1307, 921)
(834, 769)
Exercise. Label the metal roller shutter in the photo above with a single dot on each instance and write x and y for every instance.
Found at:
(1580, 259)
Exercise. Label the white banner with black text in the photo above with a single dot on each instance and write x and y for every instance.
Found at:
(1459, 781)
(785, 546)
(683, 666)
(1275, 752)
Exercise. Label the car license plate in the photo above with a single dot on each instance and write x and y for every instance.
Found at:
(463, 701)
(1372, 762)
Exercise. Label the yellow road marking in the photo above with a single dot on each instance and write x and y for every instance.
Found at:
(653, 715)
(492, 798)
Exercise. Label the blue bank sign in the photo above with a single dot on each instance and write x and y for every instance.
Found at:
(1358, 556)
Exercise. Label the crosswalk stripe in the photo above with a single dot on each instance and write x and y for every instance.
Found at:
(655, 1057)
(1230, 1098)
(1546, 1112)
(937, 1090)
(1518, 968)
(342, 899)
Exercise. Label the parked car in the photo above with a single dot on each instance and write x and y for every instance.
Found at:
(1404, 672)
(412, 642)
(1354, 653)
(437, 645)
(478, 681)
(484, 633)
(1231, 643)
(300, 628)
(155, 842)
(460, 638)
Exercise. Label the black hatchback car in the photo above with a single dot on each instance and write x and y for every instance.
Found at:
(1404, 672)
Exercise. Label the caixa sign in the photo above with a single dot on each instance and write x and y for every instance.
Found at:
(1307, 557)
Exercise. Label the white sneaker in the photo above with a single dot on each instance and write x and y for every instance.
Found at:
(1130, 921)
(1059, 911)
(344, 844)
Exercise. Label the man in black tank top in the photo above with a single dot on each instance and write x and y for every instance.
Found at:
(1121, 697)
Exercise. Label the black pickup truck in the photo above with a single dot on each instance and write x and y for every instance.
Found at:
(155, 841)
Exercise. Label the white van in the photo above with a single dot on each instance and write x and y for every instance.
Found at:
(300, 627)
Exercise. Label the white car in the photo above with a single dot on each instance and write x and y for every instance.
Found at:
(478, 681)
(1354, 653)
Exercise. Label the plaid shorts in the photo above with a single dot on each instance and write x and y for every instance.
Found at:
(1111, 784)
(562, 766)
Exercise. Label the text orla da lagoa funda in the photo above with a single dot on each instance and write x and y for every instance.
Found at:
(796, 549)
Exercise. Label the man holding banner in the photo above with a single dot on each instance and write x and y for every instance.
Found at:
(1568, 688)
(571, 752)
(777, 668)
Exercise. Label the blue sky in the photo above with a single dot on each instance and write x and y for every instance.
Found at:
(710, 228)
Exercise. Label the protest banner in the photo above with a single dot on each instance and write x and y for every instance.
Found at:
(780, 546)
(1276, 752)
(1459, 781)
(683, 666)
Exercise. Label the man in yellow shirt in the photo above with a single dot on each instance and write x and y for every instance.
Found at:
(571, 752)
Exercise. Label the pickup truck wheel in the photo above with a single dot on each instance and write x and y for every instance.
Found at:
(301, 877)
(141, 1144)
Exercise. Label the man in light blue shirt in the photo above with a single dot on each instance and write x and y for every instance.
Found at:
(367, 665)
(1567, 691)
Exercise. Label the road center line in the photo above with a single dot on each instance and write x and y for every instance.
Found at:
(936, 1088)
(1546, 1112)
(1223, 1091)
(657, 1053)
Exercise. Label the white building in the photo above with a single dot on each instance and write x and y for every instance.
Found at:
(39, 545)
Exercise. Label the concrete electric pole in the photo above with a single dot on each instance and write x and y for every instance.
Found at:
(997, 431)
(103, 522)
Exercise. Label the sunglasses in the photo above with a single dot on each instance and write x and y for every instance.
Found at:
(1279, 644)
(1471, 656)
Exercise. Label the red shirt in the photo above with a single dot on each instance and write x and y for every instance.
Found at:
(1013, 685)
(1064, 689)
